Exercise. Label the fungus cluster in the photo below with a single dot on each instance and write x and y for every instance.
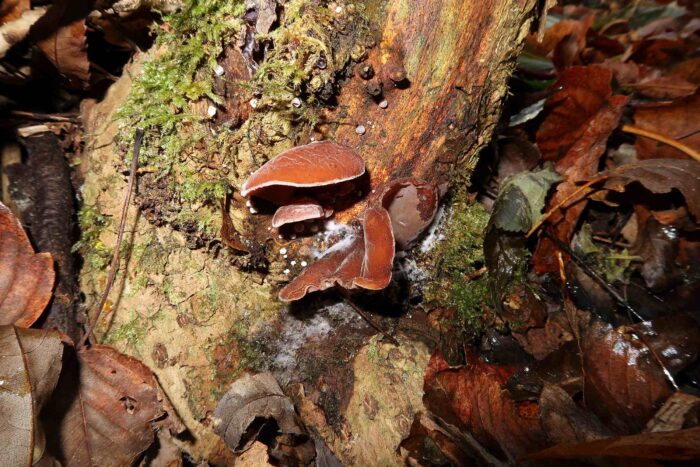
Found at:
(302, 180)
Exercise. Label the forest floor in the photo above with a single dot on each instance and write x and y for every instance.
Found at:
(549, 310)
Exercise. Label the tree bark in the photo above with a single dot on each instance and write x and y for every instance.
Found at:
(199, 321)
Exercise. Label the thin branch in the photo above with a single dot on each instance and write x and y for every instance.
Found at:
(365, 316)
(662, 139)
(593, 275)
(114, 265)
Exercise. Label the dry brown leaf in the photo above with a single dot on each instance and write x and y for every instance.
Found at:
(104, 411)
(60, 35)
(30, 364)
(669, 445)
(679, 120)
(251, 404)
(12, 9)
(660, 176)
(681, 410)
(565, 422)
(665, 87)
(472, 397)
(26, 278)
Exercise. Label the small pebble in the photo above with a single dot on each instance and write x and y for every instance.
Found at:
(283, 251)
(211, 111)
(296, 102)
(219, 70)
(286, 271)
(303, 264)
(384, 104)
(253, 103)
(360, 130)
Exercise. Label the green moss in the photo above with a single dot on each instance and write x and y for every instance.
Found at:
(459, 256)
(130, 333)
(95, 253)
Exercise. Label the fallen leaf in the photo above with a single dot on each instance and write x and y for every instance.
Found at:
(60, 35)
(583, 116)
(624, 383)
(26, 278)
(670, 445)
(30, 364)
(657, 245)
(679, 411)
(104, 410)
(472, 398)
(581, 93)
(253, 403)
(665, 87)
(12, 9)
(679, 120)
(565, 422)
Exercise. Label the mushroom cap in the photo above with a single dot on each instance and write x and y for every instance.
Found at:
(317, 164)
(412, 205)
(379, 250)
(364, 262)
(340, 265)
(298, 211)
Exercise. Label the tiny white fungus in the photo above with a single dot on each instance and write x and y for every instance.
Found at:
(293, 262)
(286, 271)
(360, 130)
(211, 111)
(296, 102)
(338, 9)
(384, 104)
(303, 264)
(219, 70)
(283, 251)
(253, 103)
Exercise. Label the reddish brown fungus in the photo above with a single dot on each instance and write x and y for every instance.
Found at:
(379, 250)
(412, 205)
(298, 211)
(313, 165)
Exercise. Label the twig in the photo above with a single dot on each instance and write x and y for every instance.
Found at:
(114, 265)
(363, 315)
(593, 275)
(69, 117)
(662, 139)
(561, 203)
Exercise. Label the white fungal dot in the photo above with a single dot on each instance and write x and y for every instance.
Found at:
(211, 111)
(253, 103)
(303, 264)
(296, 102)
(313, 139)
(292, 262)
(253, 210)
(247, 204)
(286, 271)
(219, 70)
(283, 251)
(293, 237)
(338, 9)
(284, 256)
(384, 104)
(360, 130)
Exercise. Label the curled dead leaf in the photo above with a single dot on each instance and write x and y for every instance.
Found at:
(26, 278)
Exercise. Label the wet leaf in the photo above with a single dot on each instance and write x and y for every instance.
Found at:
(30, 364)
(472, 398)
(566, 422)
(624, 382)
(681, 410)
(26, 278)
(104, 409)
(521, 200)
(576, 132)
(669, 445)
(255, 403)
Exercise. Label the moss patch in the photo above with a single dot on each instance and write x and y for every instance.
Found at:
(459, 256)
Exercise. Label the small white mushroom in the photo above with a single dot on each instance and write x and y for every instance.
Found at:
(219, 70)
(303, 264)
(253, 102)
(360, 130)
(283, 251)
(296, 102)
(286, 271)
(211, 111)
(384, 104)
